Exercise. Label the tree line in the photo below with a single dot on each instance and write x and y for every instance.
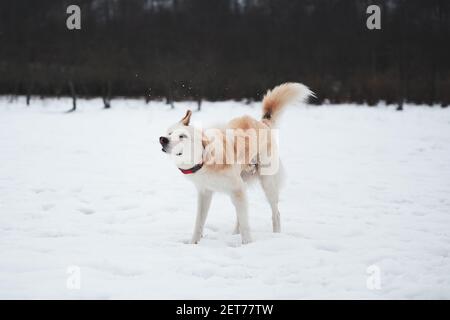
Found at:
(227, 49)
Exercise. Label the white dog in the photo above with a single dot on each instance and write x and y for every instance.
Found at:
(226, 159)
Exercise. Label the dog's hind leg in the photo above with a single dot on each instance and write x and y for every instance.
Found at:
(270, 185)
(203, 204)
(239, 200)
(236, 227)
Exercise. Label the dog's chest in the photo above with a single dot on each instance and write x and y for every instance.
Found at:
(213, 181)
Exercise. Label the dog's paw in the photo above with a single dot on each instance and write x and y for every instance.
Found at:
(196, 238)
(246, 239)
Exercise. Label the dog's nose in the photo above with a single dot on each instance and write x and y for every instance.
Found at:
(163, 141)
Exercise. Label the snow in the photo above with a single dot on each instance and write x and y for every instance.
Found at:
(367, 189)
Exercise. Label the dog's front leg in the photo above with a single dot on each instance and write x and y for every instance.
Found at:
(239, 200)
(203, 204)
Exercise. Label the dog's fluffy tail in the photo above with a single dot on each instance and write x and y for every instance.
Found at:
(276, 99)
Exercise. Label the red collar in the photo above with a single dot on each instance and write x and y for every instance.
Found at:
(194, 169)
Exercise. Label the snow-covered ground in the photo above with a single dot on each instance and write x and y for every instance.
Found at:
(367, 198)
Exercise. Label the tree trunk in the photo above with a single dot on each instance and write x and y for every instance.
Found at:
(29, 90)
(107, 96)
(74, 97)
(170, 101)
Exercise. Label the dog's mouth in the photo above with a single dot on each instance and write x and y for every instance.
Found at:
(163, 150)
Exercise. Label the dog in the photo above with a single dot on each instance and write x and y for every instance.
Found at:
(226, 159)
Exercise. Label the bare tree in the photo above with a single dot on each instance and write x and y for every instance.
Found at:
(74, 96)
(107, 95)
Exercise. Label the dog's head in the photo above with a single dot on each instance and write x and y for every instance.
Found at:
(184, 143)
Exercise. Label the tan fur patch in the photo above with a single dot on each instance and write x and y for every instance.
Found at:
(242, 148)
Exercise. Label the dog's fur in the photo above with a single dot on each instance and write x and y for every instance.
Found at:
(190, 146)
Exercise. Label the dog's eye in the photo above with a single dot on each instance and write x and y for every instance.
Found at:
(182, 136)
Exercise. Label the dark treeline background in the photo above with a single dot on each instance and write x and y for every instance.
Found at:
(227, 49)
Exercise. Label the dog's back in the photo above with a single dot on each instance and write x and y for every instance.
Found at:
(248, 130)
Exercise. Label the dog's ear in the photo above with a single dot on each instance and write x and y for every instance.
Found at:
(187, 118)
